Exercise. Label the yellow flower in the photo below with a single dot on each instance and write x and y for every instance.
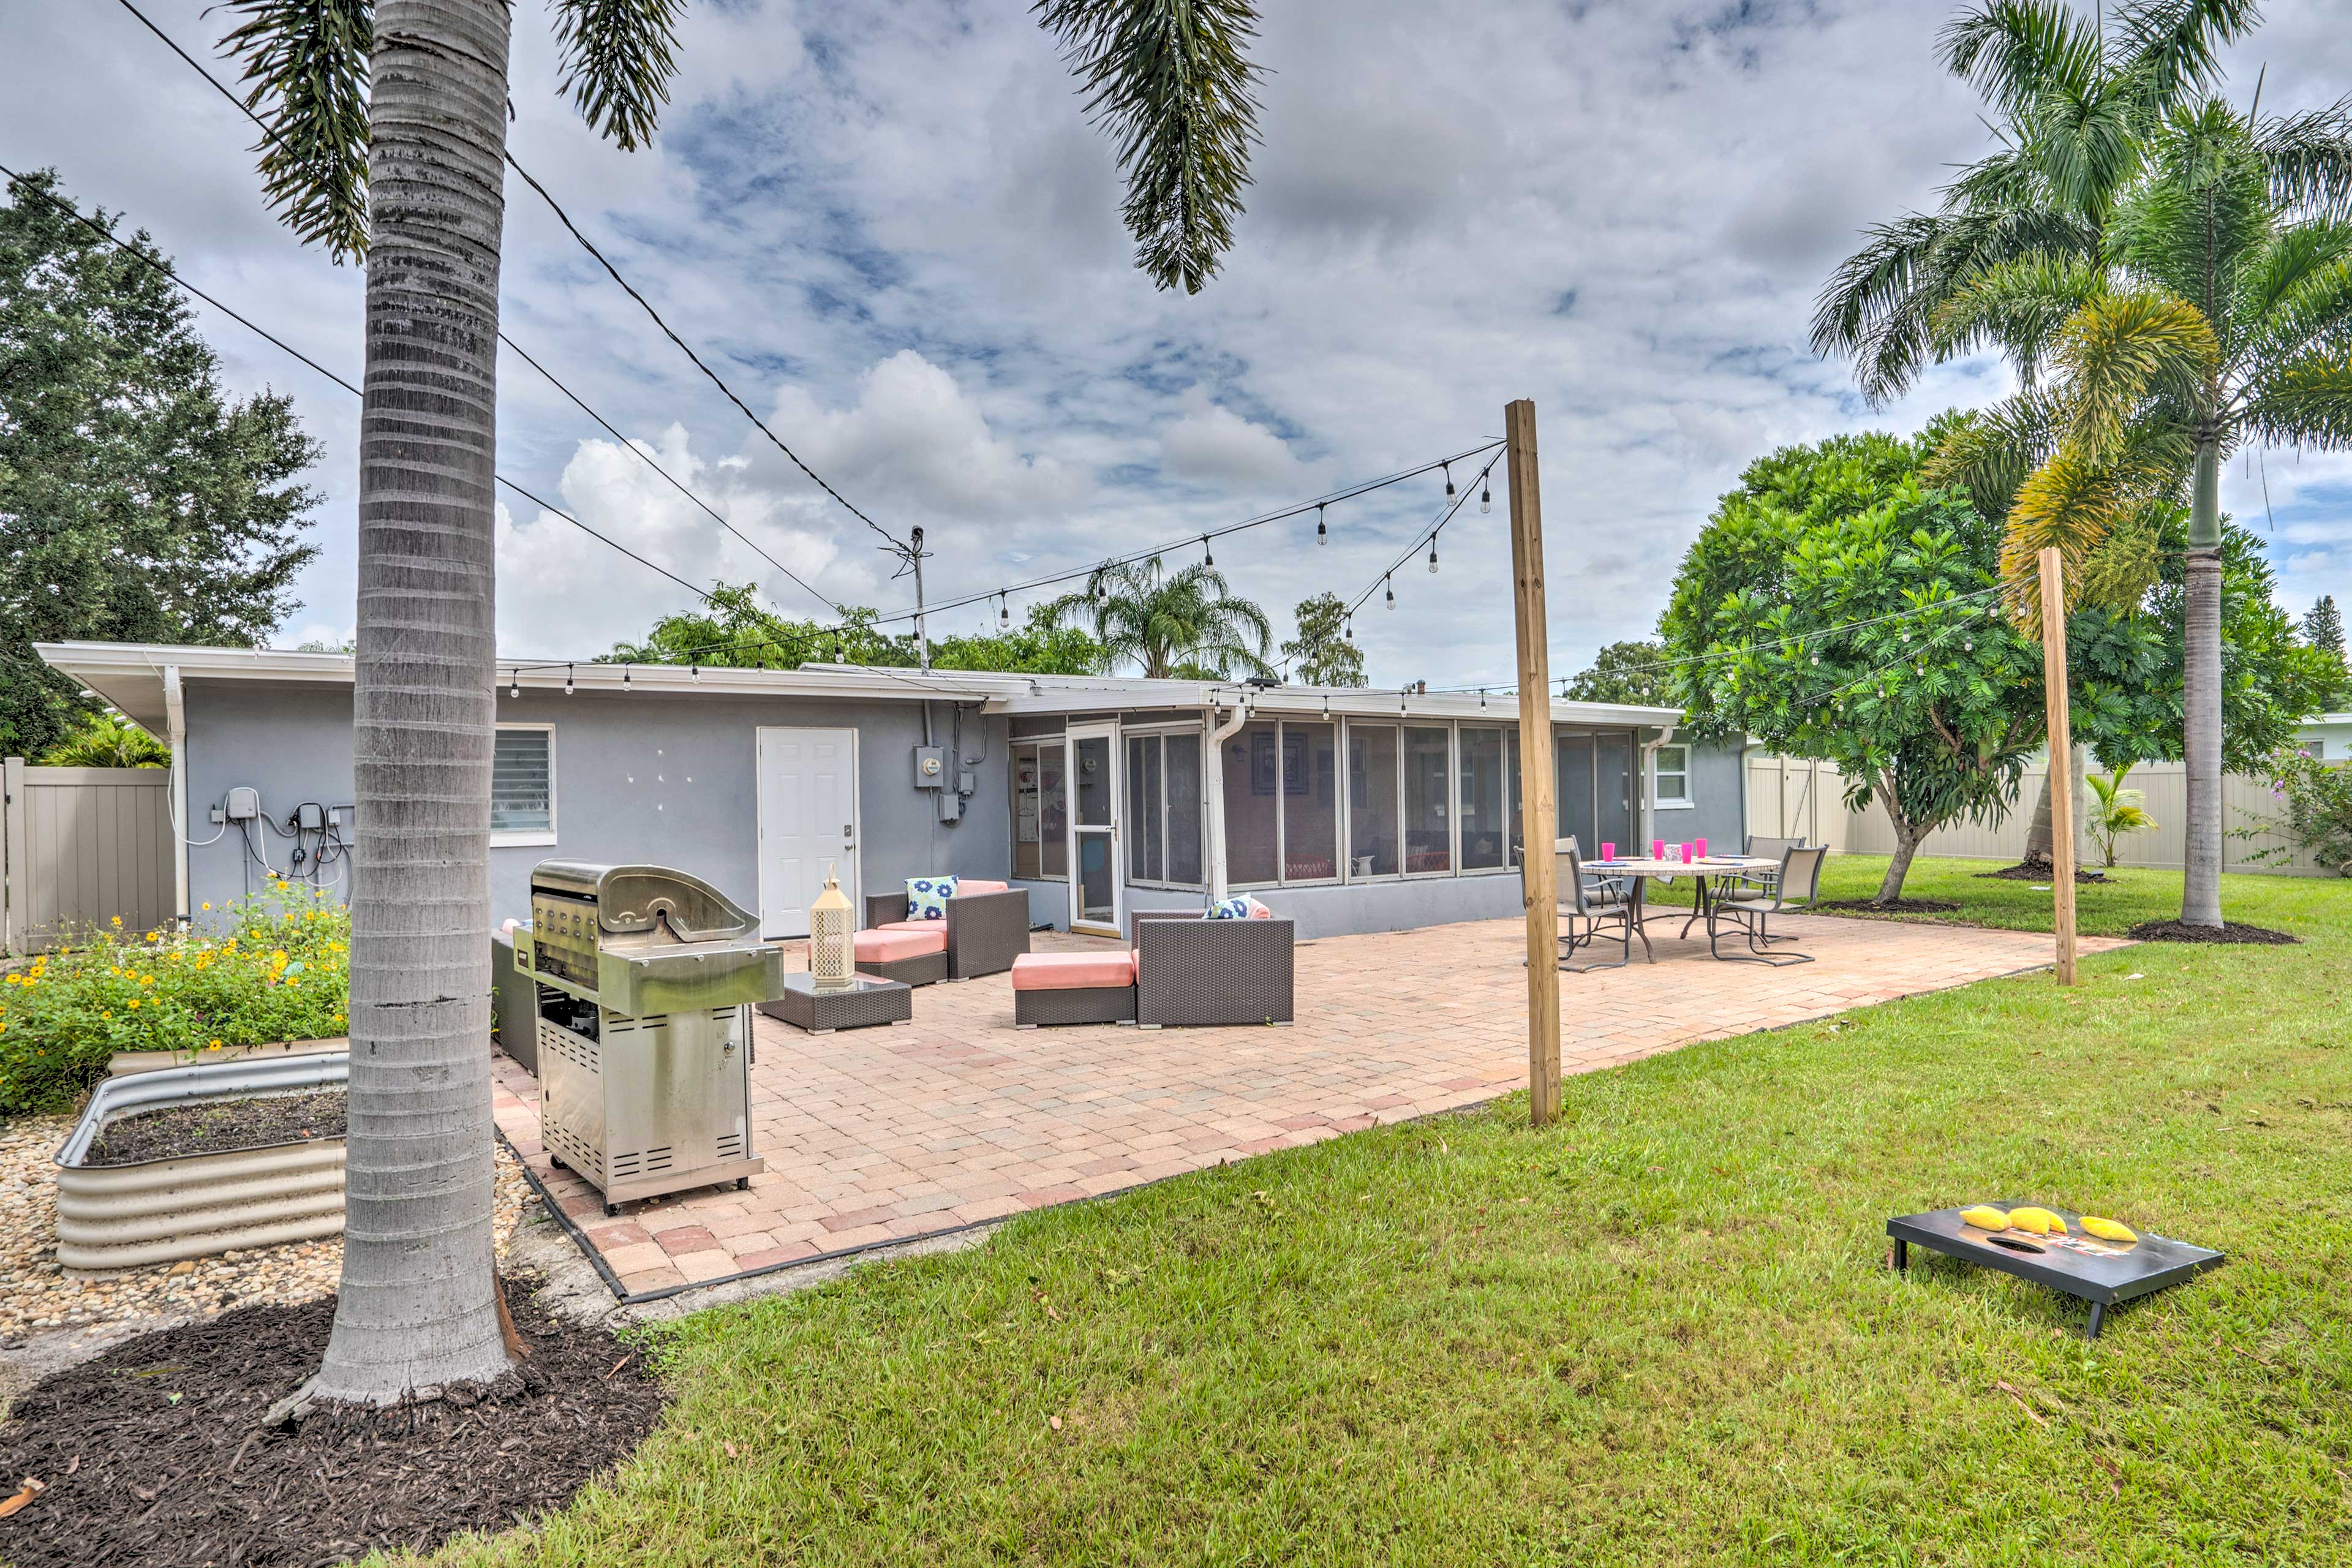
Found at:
(118, 922)
(106, 1014)
(155, 936)
(135, 1004)
(214, 1047)
(293, 986)
(208, 904)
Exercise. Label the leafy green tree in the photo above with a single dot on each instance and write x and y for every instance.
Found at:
(1933, 707)
(140, 503)
(2323, 626)
(1322, 654)
(107, 739)
(1633, 672)
(736, 631)
(2169, 278)
(388, 122)
(1186, 622)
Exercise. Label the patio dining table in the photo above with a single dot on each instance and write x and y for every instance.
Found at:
(1722, 868)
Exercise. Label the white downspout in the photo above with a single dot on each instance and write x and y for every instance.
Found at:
(1648, 815)
(175, 726)
(1213, 793)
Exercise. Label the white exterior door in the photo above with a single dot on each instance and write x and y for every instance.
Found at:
(808, 823)
(1097, 891)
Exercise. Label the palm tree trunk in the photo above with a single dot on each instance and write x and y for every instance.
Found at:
(2200, 890)
(418, 1307)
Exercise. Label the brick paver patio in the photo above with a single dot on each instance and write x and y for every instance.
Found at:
(884, 1134)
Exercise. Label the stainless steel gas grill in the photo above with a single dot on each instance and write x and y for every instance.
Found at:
(646, 978)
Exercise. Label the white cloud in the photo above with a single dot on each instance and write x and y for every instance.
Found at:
(891, 229)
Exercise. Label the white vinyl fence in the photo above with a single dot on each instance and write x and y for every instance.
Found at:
(1789, 797)
(79, 846)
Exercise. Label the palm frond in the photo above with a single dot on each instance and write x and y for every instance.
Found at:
(2013, 51)
(1171, 81)
(2298, 301)
(2309, 159)
(2172, 49)
(2017, 306)
(2115, 351)
(2195, 224)
(2308, 402)
(306, 66)
(1988, 452)
(2072, 503)
(618, 57)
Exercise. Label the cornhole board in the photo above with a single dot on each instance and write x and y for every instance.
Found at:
(2100, 1272)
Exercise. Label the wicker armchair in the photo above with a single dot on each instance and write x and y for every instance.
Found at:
(1191, 971)
(986, 932)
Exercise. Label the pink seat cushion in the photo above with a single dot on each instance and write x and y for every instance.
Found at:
(895, 946)
(911, 925)
(1073, 971)
(974, 885)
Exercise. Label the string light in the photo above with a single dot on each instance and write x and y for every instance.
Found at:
(567, 681)
(625, 675)
(1208, 552)
(1482, 698)
(1449, 480)
(1322, 534)
(1392, 583)
(514, 683)
(1485, 494)
(1003, 610)
(1432, 554)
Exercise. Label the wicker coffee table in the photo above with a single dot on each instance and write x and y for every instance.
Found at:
(866, 1000)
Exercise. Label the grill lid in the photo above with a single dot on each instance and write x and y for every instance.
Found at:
(645, 900)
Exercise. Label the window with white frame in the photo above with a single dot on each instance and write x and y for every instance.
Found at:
(522, 785)
(1670, 777)
(1164, 809)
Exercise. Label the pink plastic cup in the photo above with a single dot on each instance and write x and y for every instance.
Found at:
(1657, 848)
(1702, 848)
(1686, 854)
(1608, 850)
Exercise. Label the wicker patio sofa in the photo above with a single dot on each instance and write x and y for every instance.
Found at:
(1192, 972)
(986, 928)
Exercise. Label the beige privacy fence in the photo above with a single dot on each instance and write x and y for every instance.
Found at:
(81, 846)
(1789, 797)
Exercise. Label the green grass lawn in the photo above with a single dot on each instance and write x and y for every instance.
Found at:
(1662, 1331)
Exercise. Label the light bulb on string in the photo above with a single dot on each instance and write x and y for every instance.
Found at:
(1003, 611)
(1322, 534)
(567, 681)
(1482, 698)
(1392, 583)
(514, 683)
(625, 675)
(1485, 494)
(1449, 479)
(697, 673)
(1208, 552)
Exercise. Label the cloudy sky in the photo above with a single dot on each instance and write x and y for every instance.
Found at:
(891, 227)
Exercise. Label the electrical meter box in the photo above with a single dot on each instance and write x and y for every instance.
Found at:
(931, 767)
(243, 804)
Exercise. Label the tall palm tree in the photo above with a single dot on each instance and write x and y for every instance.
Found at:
(2024, 240)
(2217, 317)
(1185, 622)
(387, 137)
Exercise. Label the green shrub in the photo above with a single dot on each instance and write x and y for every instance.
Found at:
(278, 968)
(2318, 800)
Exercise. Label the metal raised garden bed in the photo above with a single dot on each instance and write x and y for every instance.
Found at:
(194, 1206)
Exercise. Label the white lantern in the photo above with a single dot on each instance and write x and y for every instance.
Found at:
(829, 936)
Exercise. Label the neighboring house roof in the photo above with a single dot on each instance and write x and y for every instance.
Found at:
(2327, 719)
(130, 677)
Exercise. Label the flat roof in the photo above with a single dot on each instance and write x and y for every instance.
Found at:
(129, 675)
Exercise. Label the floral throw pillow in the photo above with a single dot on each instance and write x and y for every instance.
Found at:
(927, 897)
(1241, 906)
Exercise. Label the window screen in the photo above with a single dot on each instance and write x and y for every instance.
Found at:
(523, 782)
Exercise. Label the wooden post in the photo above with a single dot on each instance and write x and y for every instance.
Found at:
(1538, 818)
(2061, 761)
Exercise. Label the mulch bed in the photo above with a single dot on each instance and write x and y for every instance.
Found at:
(2033, 873)
(1892, 907)
(221, 1126)
(155, 1457)
(2230, 933)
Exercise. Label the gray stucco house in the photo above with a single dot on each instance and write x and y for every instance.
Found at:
(1345, 810)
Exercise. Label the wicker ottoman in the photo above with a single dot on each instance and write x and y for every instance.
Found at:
(909, 957)
(1073, 988)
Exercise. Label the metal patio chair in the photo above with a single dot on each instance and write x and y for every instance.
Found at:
(1752, 908)
(1594, 903)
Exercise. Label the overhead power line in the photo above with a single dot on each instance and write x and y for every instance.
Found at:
(23, 183)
